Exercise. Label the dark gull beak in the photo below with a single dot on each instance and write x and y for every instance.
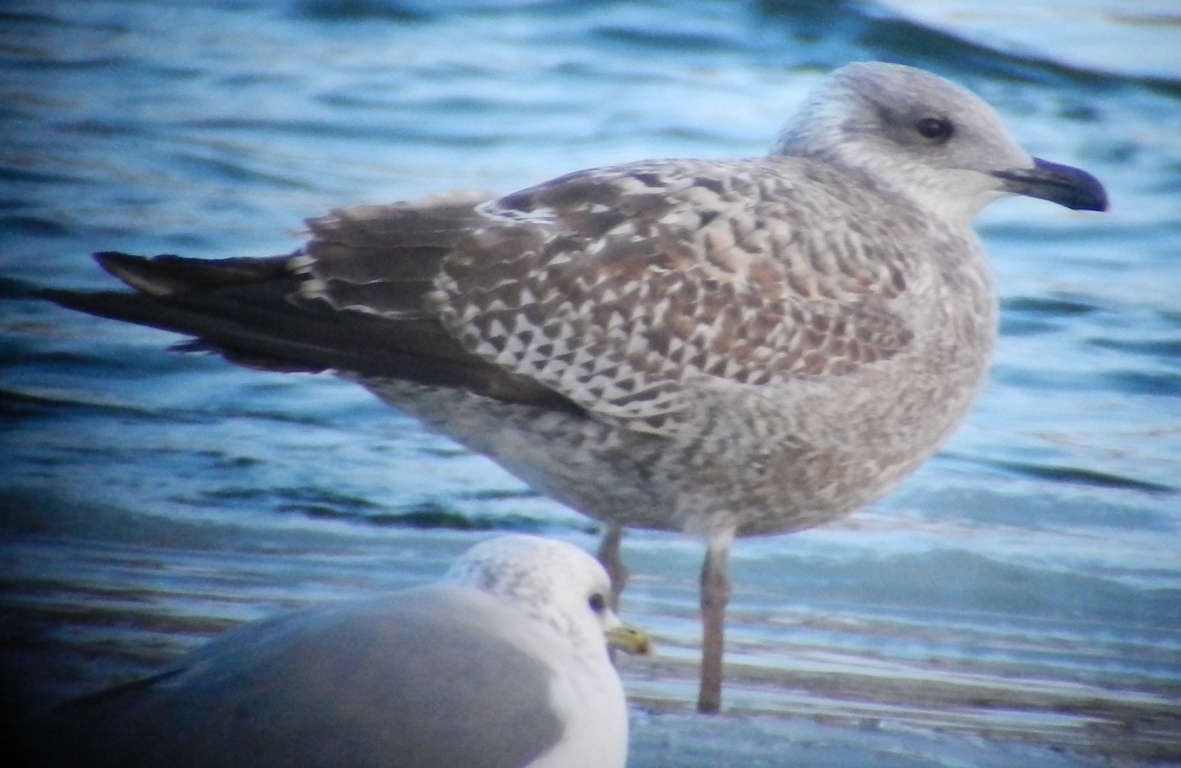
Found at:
(1074, 188)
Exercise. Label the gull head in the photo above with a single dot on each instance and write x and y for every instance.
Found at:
(553, 582)
(928, 139)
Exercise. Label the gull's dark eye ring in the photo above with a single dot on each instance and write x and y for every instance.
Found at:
(597, 602)
(934, 128)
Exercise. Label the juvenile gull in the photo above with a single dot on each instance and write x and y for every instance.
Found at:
(740, 347)
(503, 664)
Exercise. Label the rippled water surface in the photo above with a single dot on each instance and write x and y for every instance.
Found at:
(1016, 602)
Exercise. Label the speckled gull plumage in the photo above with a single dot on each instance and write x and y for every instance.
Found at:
(737, 347)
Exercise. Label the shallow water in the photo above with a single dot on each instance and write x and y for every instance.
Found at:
(1016, 602)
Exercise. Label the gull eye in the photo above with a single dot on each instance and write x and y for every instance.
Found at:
(597, 602)
(934, 128)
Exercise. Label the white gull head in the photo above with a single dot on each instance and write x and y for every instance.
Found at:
(551, 581)
(926, 139)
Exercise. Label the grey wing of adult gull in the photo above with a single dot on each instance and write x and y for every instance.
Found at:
(734, 348)
(501, 666)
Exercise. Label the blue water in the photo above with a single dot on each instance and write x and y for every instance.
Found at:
(1016, 602)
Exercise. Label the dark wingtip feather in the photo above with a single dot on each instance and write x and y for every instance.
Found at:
(111, 261)
(167, 274)
(137, 272)
(256, 312)
(116, 305)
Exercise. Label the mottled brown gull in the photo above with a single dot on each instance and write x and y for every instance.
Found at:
(739, 347)
(503, 664)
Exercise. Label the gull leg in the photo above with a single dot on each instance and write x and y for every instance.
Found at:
(715, 594)
(612, 561)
